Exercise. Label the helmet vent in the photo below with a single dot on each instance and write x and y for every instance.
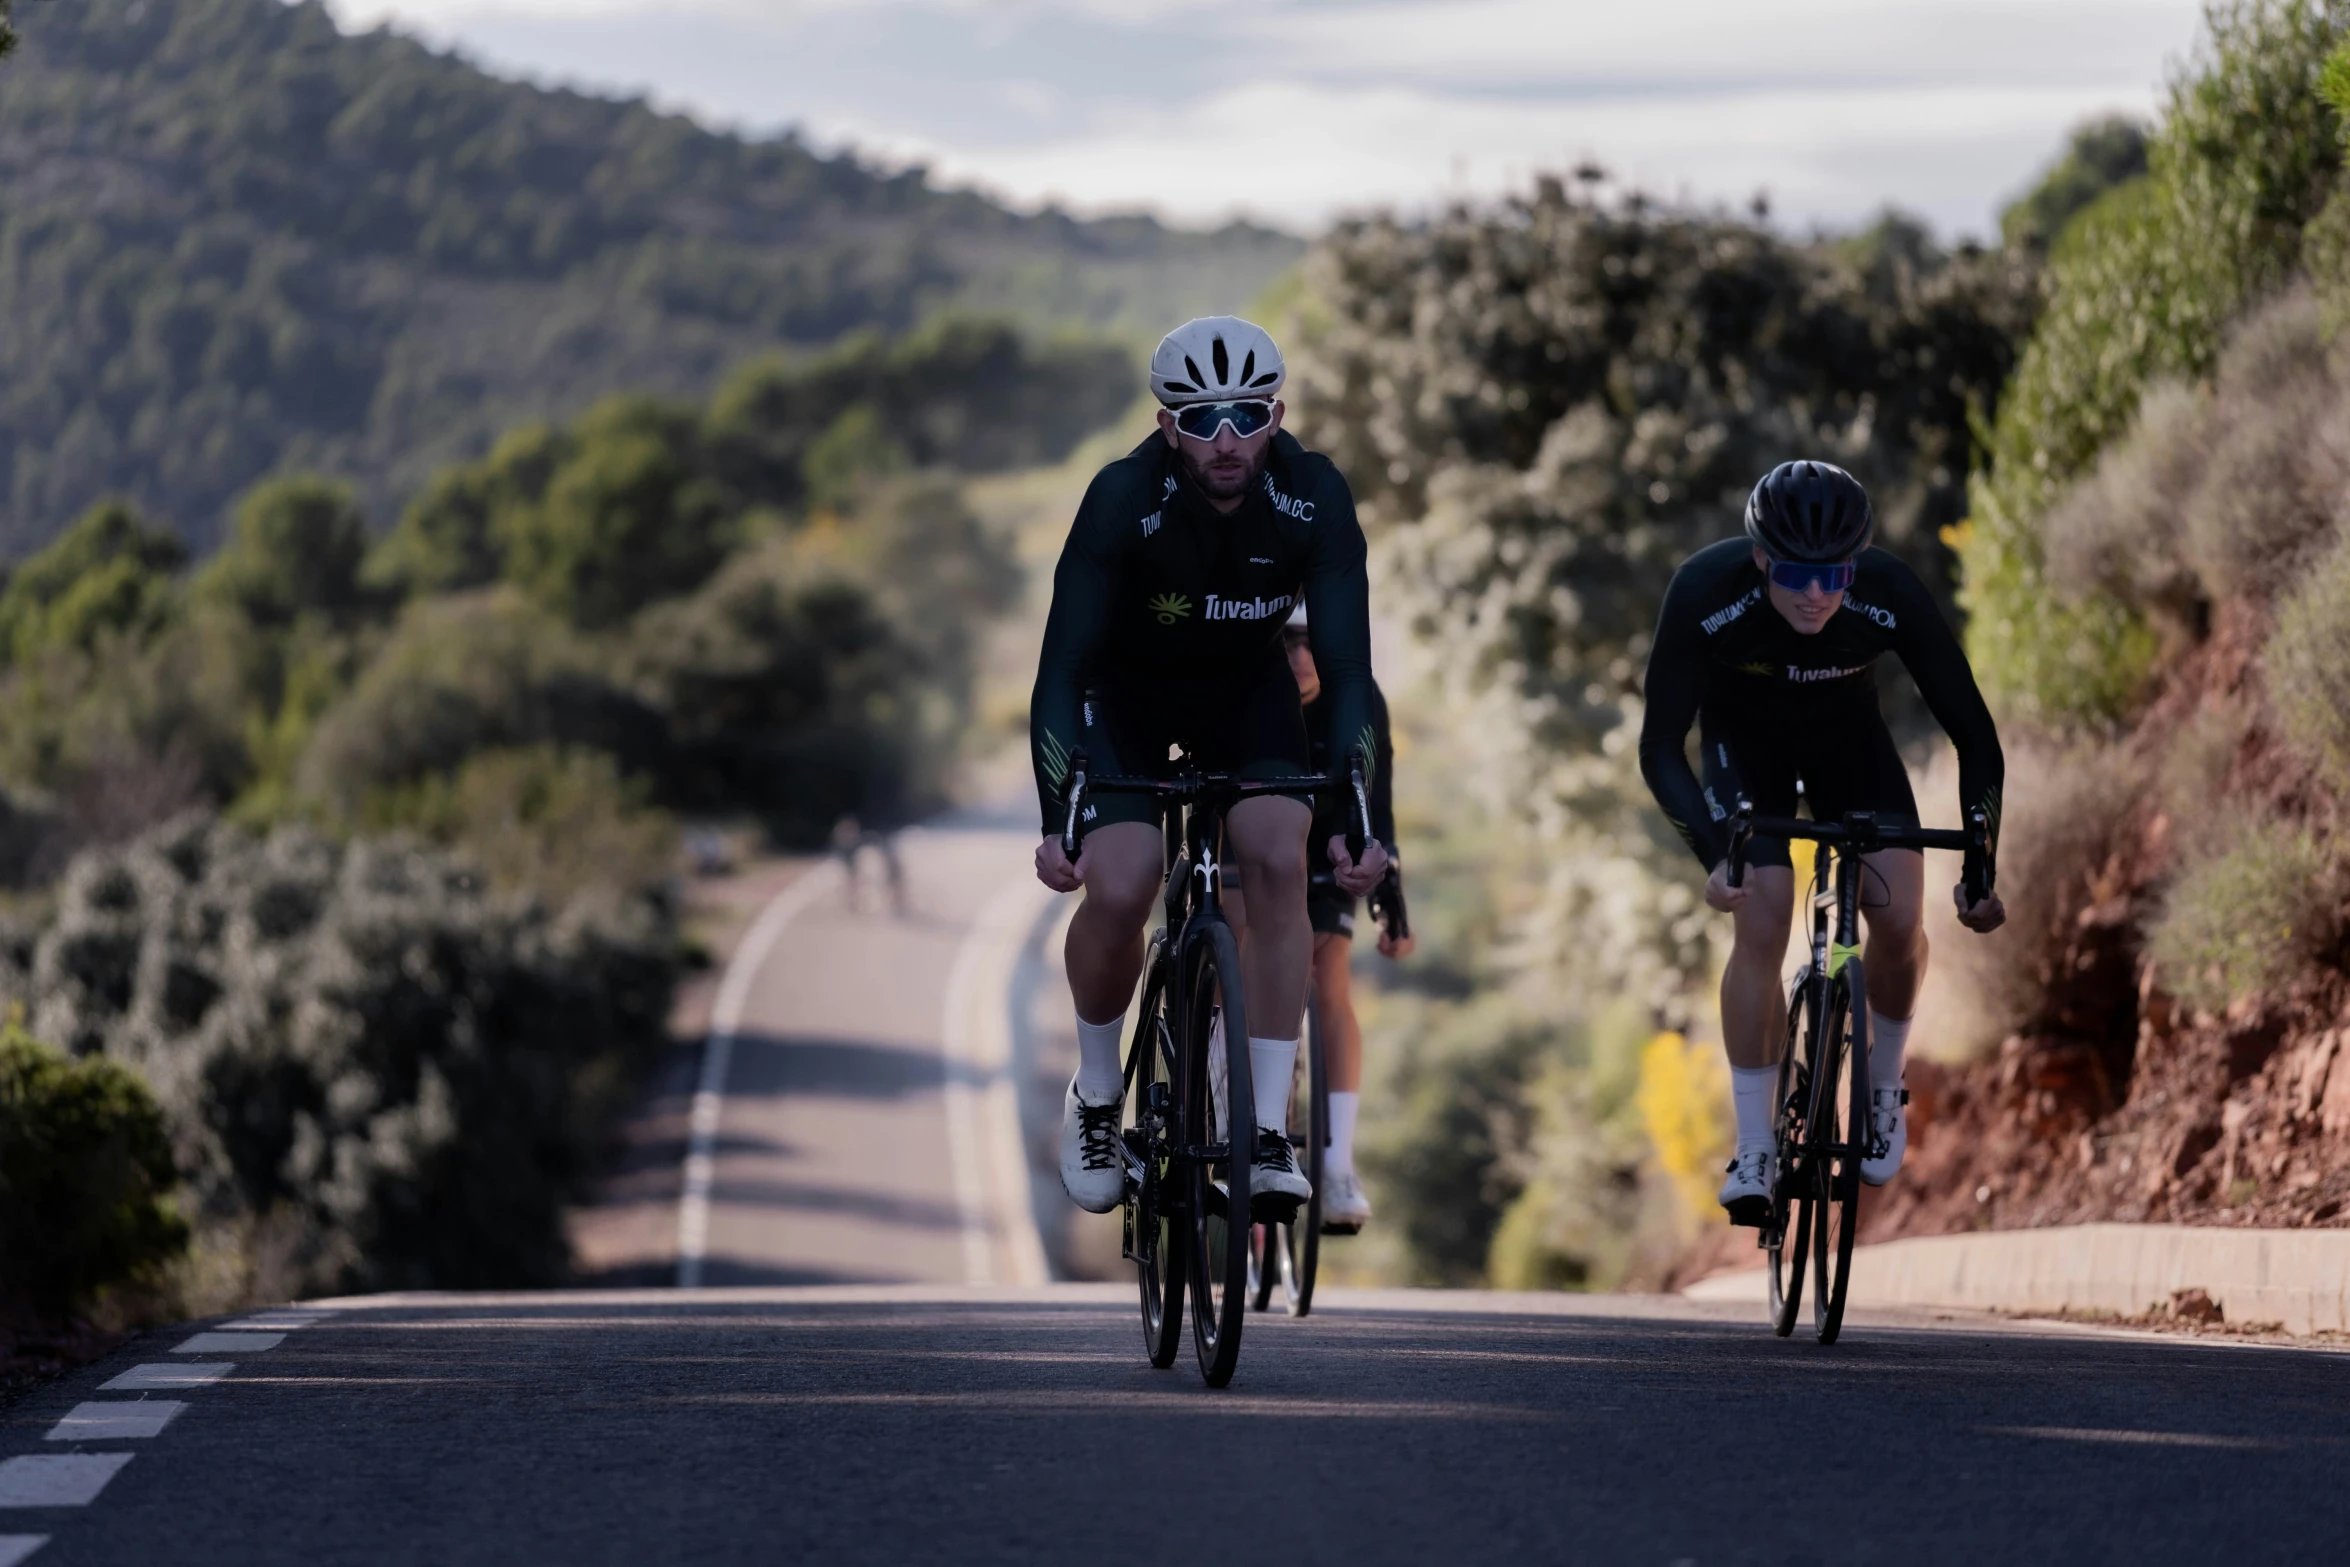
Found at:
(1193, 366)
(1248, 366)
(1223, 362)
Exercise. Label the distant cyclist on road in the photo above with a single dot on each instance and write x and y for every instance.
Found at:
(1769, 643)
(1185, 560)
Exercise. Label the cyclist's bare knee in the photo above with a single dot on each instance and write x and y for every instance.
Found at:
(1760, 927)
(1267, 838)
(1122, 873)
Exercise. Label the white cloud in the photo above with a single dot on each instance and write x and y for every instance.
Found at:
(1293, 110)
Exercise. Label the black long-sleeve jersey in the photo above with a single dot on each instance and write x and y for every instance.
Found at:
(1333, 819)
(1155, 584)
(1721, 647)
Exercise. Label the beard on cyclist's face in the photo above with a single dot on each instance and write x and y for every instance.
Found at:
(1225, 465)
(1808, 611)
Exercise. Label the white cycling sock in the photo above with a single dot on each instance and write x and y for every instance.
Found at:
(1888, 1039)
(1101, 1075)
(1751, 1091)
(1271, 1062)
(1340, 1159)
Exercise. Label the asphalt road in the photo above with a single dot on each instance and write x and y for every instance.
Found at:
(908, 1426)
(868, 1133)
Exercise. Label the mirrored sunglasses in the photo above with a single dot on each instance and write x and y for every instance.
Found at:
(1201, 421)
(1797, 575)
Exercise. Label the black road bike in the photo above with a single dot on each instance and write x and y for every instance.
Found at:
(1188, 1208)
(1291, 1253)
(1824, 1130)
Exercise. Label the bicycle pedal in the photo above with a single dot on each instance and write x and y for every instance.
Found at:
(1751, 1212)
(1274, 1208)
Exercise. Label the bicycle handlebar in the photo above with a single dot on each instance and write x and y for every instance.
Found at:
(1860, 832)
(1223, 787)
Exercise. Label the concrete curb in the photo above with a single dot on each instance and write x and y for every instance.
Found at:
(2300, 1278)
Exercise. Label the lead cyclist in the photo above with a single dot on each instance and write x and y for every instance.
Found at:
(1769, 644)
(1184, 562)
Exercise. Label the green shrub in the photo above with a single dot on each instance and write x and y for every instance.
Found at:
(2102, 154)
(1447, 1152)
(539, 819)
(111, 573)
(2308, 667)
(2257, 905)
(85, 1177)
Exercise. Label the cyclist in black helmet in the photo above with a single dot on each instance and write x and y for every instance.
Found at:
(1769, 644)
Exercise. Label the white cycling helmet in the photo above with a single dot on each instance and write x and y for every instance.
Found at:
(1216, 359)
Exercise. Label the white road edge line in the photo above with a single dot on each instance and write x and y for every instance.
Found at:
(15, 1548)
(726, 1017)
(984, 1143)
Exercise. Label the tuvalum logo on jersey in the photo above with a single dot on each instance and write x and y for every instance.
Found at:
(1171, 607)
(1248, 609)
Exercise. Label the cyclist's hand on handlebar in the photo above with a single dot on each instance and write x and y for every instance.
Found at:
(1357, 879)
(1389, 947)
(1719, 894)
(1985, 917)
(1054, 868)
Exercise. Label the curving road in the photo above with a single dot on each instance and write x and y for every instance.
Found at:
(864, 1126)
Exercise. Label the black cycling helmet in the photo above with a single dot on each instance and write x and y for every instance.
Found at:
(1810, 511)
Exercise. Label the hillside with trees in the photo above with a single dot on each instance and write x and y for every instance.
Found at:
(235, 241)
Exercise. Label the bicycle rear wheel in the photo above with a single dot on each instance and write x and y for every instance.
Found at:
(1309, 1124)
(1787, 1242)
(1219, 1228)
(1840, 1139)
(1155, 1236)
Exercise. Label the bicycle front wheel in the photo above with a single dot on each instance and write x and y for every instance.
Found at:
(1839, 1140)
(1787, 1243)
(1309, 1124)
(1155, 1235)
(1214, 1019)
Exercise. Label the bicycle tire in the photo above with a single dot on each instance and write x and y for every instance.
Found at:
(1153, 1221)
(1790, 1212)
(1218, 1265)
(1841, 1101)
(1301, 1250)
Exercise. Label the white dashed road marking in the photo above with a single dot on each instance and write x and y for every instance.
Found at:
(155, 1376)
(57, 1479)
(15, 1548)
(116, 1422)
(228, 1343)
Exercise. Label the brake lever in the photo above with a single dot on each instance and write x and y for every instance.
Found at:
(1073, 829)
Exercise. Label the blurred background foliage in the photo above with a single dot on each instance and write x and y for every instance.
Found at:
(2120, 441)
(240, 242)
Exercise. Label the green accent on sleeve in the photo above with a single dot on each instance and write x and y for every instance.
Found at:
(1055, 757)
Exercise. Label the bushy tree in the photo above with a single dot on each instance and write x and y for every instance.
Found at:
(111, 573)
(2102, 154)
(374, 1073)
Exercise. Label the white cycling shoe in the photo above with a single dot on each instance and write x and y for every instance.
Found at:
(1346, 1207)
(1747, 1192)
(1277, 1188)
(1092, 1172)
(1889, 1130)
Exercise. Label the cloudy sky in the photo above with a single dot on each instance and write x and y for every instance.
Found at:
(1293, 111)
